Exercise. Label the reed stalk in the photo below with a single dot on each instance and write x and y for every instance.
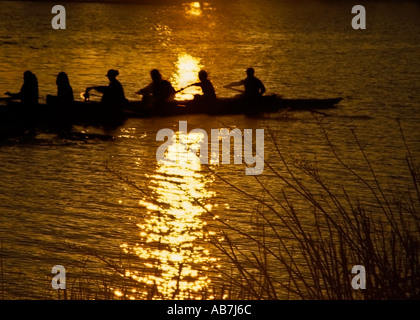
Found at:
(312, 259)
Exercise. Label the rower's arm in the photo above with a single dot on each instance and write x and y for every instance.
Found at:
(100, 89)
(145, 90)
(234, 84)
(13, 95)
(141, 91)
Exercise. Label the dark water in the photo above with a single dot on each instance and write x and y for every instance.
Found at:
(54, 192)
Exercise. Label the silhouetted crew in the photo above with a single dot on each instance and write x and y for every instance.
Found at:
(206, 86)
(64, 91)
(159, 89)
(28, 94)
(254, 88)
(113, 94)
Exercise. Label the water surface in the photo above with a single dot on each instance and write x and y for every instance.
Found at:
(54, 193)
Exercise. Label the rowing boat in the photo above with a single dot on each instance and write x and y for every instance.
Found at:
(227, 106)
(90, 113)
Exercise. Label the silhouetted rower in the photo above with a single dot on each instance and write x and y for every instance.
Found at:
(206, 86)
(113, 94)
(28, 93)
(253, 86)
(64, 91)
(159, 90)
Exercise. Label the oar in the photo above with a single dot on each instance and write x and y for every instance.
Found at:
(182, 89)
(234, 89)
(85, 95)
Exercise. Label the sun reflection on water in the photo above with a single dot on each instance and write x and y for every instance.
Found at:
(187, 68)
(174, 240)
(193, 8)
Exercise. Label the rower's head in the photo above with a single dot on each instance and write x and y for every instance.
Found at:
(250, 72)
(112, 74)
(28, 77)
(155, 74)
(62, 79)
(202, 75)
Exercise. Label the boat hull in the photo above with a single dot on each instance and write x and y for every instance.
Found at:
(16, 117)
(227, 106)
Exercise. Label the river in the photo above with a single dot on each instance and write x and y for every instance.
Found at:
(78, 203)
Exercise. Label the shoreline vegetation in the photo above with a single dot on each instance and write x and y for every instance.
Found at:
(344, 232)
(296, 253)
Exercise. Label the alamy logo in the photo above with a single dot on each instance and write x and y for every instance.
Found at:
(59, 281)
(359, 20)
(359, 280)
(59, 21)
(241, 142)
